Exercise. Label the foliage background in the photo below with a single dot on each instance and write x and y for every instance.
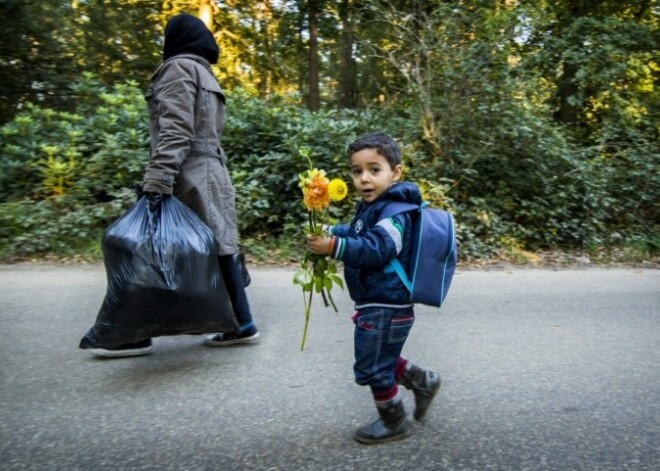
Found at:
(536, 123)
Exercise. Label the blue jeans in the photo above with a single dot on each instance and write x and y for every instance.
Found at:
(231, 273)
(380, 334)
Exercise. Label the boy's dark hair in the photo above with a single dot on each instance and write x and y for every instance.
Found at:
(381, 142)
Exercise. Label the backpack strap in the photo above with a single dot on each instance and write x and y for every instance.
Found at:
(395, 265)
(392, 209)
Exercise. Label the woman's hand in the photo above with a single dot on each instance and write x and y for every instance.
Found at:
(319, 245)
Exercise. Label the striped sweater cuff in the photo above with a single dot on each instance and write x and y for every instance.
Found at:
(339, 247)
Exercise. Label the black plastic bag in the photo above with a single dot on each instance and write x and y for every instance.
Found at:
(163, 278)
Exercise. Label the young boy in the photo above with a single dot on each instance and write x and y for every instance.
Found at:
(384, 315)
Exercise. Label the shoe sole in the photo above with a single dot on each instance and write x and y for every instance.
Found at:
(133, 352)
(213, 343)
(394, 438)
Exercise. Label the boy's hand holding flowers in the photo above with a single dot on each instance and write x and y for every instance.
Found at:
(319, 245)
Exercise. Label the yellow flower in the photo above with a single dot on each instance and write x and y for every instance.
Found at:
(337, 189)
(316, 196)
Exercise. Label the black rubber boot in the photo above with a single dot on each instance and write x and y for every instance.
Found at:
(392, 424)
(424, 384)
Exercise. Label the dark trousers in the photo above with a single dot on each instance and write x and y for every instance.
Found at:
(233, 278)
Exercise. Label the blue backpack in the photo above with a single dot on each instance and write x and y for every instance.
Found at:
(434, 253)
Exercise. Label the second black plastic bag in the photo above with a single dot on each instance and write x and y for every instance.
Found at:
(163, 278)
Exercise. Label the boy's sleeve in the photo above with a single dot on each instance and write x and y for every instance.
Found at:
(340, 230)
(375, 248)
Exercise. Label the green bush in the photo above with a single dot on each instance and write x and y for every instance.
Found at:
(515, 180)
(60, 226)
(65, 176)
(262, 140)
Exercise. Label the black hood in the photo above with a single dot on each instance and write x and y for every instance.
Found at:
(185, 33)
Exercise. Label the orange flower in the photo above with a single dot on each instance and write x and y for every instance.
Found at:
(316, 194)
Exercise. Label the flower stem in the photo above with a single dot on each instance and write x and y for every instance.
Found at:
(332, 302)
(308, 306)
(310, 216)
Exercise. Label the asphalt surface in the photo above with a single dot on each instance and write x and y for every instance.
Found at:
(542, 370)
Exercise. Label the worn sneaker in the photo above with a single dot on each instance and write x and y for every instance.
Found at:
(126, 350)
(225, 339)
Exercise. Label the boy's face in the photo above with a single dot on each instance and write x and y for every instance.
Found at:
(372, 174)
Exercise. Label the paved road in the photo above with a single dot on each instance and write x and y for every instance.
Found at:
(543, 370)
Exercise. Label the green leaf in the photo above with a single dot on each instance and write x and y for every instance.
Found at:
(302, 277)
(318, 284)
(337, 280)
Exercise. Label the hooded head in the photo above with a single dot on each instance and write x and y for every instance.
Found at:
(185, 33)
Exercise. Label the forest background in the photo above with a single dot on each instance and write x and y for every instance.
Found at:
(535, 122)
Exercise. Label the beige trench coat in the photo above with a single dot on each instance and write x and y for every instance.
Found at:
(186, 118)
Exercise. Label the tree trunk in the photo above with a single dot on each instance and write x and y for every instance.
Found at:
(206, 13)
(313, 101)
(347, 97)
(301, 54)
(567, 112)
(264, 19)
(566, 87)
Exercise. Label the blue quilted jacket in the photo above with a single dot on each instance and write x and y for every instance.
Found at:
(369, 243)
